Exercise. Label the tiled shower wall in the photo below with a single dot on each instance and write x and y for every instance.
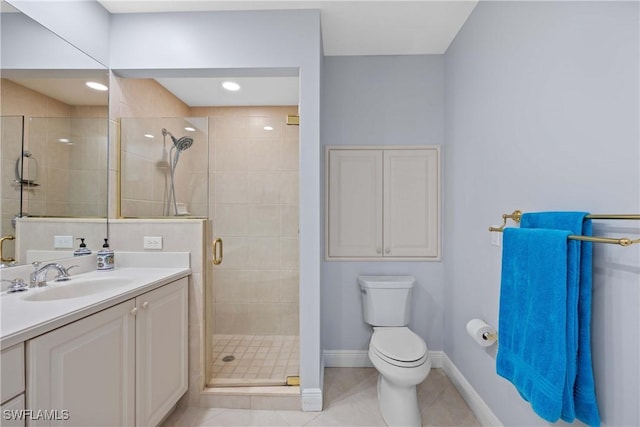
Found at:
(71, 176)
(254, 209)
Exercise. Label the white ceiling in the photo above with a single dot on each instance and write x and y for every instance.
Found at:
(208, 91)
(354, 28)
(348, 28)
(358, 27)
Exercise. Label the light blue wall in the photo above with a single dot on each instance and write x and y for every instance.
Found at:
(85, 24)
(542, 114)
(27, 45)
(381, 100)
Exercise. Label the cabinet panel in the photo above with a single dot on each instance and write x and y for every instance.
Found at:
(86, 368)
(161, 351)
(355, 203)
(411, 203)
(12, 371)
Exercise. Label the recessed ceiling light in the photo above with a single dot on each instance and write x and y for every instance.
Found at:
(268, 128)
(65, 141)
(190, 129)
(97, 86)
(148, 135)
(232, 86)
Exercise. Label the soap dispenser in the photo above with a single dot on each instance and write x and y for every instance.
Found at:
(82, 250)
(105, 257)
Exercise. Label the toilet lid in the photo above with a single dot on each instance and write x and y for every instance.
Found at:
(398, 344)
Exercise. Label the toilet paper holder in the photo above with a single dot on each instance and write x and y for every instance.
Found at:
(490, 336)
(481, 332)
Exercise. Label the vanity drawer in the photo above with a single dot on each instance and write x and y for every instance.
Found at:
(9, 411)
(11, 372)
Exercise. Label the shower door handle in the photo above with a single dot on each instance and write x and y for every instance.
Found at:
(2, 258)
(217, 251)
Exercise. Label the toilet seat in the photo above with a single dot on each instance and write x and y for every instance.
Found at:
(399, 346)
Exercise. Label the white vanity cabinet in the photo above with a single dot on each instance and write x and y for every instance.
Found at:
(383, 203)
(123, 366)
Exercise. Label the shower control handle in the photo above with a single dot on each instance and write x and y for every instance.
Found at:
(217, 251)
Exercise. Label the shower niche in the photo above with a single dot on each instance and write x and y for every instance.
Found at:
(164, 167)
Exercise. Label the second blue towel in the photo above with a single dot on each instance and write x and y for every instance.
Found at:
(580, 397)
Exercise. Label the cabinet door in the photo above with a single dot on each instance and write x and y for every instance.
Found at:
(161, 356)
(355, 203)
(411, 208)
(86, 368)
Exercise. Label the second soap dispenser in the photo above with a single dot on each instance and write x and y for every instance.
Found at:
(105, 257)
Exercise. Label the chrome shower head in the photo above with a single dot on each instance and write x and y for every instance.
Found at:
(182, 143)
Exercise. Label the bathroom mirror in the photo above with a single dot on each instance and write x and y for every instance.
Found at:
(53, 138)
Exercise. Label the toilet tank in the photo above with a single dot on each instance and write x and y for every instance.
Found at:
(386, 300)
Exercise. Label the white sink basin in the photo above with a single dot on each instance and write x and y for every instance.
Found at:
(75, 288)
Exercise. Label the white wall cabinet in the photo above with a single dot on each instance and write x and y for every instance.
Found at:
(124, 366)
(383, 203)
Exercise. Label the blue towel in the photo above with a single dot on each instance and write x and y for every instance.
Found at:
(580, 398)
(532, 350)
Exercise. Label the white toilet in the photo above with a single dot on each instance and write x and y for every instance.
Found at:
(400, 356)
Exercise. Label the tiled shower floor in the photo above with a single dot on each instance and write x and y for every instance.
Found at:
(257, 360)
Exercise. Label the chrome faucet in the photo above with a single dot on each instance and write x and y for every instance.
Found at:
(39, 274)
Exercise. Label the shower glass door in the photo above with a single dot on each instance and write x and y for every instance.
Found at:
(254, 210)
(164, 169)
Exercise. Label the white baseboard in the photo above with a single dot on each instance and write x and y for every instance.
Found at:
(439, 360)
(347, 359)
(480, 409)
(436, 359)
(311, 399)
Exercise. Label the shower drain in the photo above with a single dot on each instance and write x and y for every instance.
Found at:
(229, 358)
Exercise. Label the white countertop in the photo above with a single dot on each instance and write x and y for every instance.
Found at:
(21, 319)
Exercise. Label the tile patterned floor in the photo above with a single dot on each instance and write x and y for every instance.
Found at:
(258, 360)
(349, 400)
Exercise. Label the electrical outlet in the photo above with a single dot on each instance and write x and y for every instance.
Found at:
(63, 242)
(152, 242)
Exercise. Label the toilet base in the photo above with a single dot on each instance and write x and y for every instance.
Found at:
(398, 405)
